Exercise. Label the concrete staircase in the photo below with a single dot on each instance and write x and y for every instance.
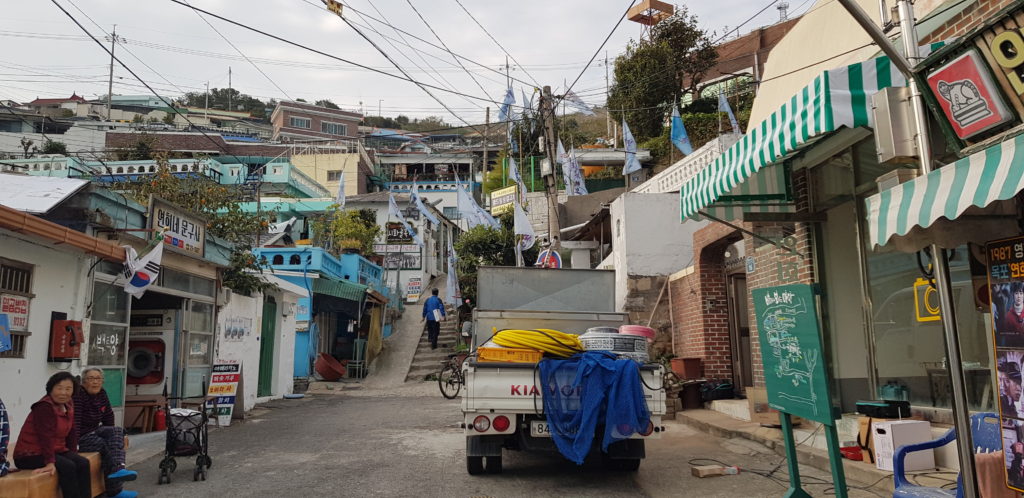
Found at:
(428, 361)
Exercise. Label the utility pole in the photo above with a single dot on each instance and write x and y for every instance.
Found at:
(206, 111)
(229, 88)
(607, 92)
(110, 82)
(547, 115)
(487, 133)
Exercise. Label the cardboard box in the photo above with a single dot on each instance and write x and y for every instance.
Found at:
(890, 435)
(712, 470)
(865, 438)
(760, 412)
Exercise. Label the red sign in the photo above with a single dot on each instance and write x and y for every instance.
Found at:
(17, 308)
(968, 96)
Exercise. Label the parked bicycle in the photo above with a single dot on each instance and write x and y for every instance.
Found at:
(450, 379)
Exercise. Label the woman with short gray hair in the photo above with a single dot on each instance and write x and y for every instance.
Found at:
(94, 423)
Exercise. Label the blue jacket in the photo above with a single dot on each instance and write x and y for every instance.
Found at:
(433, 303)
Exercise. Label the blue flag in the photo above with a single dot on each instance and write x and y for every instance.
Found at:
(632, 163)
(723, 106)
(679, 137)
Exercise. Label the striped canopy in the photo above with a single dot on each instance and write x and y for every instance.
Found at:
(990, 175)
(834, 99)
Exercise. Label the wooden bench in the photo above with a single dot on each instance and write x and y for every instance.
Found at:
(25, 484)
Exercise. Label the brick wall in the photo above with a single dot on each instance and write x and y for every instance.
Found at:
(699, 311)
(975, 14)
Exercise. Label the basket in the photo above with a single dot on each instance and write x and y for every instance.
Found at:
(508, 355)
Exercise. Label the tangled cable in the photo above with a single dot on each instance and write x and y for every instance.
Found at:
(548, 341)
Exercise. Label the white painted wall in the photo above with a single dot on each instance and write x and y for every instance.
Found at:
(77, 139)
(284, 345)
(59, 284)
(648, 238)
(245, 349)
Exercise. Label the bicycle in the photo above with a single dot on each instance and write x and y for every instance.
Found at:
(450, 379)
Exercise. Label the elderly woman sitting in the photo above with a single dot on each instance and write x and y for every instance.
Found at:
(48, 442)
(94, 424)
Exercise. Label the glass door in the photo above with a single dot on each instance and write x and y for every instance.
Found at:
(197, 347)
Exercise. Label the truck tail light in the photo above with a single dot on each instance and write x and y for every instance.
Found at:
(481, 423)
(648, 430)
(501, 423)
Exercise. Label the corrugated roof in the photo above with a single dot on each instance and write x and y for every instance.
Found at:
(342, 289)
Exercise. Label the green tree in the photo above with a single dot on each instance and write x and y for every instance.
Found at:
(137, 118)
(219, 98)
(220, 206)
(654, 73)
(485, 246)
(54, 147)
(143, 148)
(326, 103)
(169, 118)
(27, 146)
(338, 230)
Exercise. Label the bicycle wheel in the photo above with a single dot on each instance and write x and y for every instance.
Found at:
(450, 381)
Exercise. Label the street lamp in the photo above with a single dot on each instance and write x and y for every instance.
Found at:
(378, 108)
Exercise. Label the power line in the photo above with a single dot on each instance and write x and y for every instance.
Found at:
(325, 54)
(537, 85)
(122, 64)
(740, 25)
(265, 75)
(596, 52)
(392, 61)
(443, 44)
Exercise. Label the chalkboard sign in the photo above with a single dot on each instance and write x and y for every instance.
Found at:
(106, 344)
(794, 365)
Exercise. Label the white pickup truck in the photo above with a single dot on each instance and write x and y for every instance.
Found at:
(502, 404)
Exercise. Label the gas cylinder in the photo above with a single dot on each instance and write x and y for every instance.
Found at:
(160, 420)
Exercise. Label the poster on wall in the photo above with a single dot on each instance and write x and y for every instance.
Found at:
(16, 309)
(407, 261)
(5, 333)
(413, 289)
(1006, 290)
(224, 387)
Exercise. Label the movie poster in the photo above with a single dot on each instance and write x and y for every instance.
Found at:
(1006, 289)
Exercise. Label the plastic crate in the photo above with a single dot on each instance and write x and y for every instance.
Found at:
(508, 355)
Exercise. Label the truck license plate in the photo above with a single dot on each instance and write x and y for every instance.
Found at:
(539, 428)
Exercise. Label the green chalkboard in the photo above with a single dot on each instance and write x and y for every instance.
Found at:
(794, 364)
(113, 383)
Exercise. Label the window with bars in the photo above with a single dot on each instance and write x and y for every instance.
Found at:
(16, 278)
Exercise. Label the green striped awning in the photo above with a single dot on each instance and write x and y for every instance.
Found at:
(834, 99)
(767, 191)
(341, 289)
(992, 174)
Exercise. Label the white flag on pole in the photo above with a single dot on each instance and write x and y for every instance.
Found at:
(397, 213)
(513, 174)
(575, 175)
(341, 190)
(577, 103)
(522, 226)
(452, 292)
(632, 163)
(141, 273)
(419, 205)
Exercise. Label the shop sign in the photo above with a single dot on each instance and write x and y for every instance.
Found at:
(397, 234)
(926, 301)
(405, 261)
(386, 248)
(16, 309)
(968, 96)
(413, 289)
(182, 231)
(1006, 287)
(502, 200)
(224, 387)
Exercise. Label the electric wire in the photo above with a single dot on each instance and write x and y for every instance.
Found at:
(330, 56)
(596, 52)
(265, 75)
(443, 44)
(122, 64)
(488, 33)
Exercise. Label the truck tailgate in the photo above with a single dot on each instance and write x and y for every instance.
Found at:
(515, 387)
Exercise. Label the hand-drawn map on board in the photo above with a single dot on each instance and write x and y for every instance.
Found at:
(794, 366)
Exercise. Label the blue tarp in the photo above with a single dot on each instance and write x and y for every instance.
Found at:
(591, 389)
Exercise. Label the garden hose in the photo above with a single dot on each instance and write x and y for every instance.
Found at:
(548, 341)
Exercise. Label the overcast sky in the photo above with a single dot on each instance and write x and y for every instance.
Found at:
(46, 55)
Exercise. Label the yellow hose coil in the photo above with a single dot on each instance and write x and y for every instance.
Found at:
(549, 341)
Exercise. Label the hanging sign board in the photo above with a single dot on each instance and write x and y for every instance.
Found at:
(224, 385)
(791, 351)
(1006, 288)
(968, 96)
(16, 309)
(413, 289)
(182, 231)
(396, 233)
(502, 199)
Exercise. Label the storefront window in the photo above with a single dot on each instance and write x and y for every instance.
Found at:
(109, 303)
(185, 282)
(201, 315)
(106, 345)
(910, 352)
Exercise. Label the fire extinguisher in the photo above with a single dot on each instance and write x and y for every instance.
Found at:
(160, 420)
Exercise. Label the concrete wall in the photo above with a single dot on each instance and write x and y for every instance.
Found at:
(77, 139)
(316, 167)
(59, 283)
(648, 238)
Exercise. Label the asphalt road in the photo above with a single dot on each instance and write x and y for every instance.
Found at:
(406, 442)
